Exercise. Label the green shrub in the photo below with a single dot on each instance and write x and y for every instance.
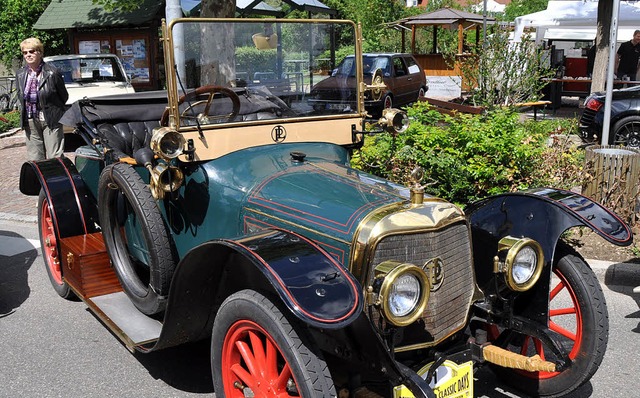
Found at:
(9, 120)
(252, 60)
(468, 157)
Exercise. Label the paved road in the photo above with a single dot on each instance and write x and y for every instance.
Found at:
(50, 347)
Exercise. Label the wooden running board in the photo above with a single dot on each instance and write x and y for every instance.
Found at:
(88, 271)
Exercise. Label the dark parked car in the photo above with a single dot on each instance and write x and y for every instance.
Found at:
(625, 117)
(404, 79)
(212, 211)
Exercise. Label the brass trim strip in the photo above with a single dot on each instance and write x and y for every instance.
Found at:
(298, 226)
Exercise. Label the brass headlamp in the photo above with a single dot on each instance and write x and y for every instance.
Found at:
(520, 260)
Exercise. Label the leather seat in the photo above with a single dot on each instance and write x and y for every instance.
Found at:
(126, 138)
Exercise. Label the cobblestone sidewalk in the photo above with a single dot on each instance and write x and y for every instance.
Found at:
(13, 204)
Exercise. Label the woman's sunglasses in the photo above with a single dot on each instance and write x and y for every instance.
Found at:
(29, 52)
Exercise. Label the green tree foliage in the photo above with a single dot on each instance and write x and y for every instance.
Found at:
(16, 24)
(523, 7)
(504, 73)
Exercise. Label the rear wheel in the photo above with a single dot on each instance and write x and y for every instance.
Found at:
(421, 92)
(135, 237)
(626, 132)
(256, 351)
(578, 313)
(50, 242)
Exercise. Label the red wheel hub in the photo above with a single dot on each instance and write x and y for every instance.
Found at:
(252, 359)
(50, 243)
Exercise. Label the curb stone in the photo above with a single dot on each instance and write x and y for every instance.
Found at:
(10, 132)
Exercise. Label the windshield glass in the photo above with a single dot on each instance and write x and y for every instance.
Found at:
(272, 68)
(89, 69)
(369, 62)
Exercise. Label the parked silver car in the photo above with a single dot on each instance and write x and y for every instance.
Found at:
(91, 75)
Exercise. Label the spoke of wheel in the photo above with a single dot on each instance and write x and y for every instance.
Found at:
(284, 377)
(562, 311)
(539, 348)
(248, 357)
(564, 332)
(258, 353)
(271, 361)
(556, 290)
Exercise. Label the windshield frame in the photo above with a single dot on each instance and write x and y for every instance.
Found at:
(173, 84)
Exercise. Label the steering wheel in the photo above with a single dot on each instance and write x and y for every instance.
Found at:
(204, 117)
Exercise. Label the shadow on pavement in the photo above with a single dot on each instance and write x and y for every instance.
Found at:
(14, 284)
(186, 367)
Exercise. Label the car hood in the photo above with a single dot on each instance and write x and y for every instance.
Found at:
(322, 196)
(334, 83)
(96, 89)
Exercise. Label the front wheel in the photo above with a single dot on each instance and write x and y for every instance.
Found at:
(257, 352)
(578, 313)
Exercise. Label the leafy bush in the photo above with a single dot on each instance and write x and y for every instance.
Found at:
(251, 60)
(468, 157)
(9, 120)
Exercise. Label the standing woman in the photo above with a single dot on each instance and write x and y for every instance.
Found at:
(43, 96)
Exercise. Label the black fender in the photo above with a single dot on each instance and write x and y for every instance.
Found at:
(311, 284)
(542, 214)
(318, 290)
(72, 205)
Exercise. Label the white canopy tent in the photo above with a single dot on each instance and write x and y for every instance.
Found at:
(576, 20)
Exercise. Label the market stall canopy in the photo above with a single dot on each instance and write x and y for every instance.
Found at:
(492, 6)
(577, 16)
(259, 7)
(445, 17)
(75, 14)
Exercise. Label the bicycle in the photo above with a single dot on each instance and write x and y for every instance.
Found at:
(9, 100)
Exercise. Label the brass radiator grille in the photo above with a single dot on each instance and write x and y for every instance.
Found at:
(448, 307)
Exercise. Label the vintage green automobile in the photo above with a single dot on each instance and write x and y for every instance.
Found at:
(226, 208)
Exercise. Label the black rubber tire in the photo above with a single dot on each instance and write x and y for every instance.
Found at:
(585, 290)
(4, 103)
(124, 198)
(50, 244)
(626, 132)
(421, 93)
(236, 319)
(387, 102)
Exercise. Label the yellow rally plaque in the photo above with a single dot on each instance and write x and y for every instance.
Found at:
(450, 381)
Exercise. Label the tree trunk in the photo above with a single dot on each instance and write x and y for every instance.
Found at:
(218, 62)
(603, 40)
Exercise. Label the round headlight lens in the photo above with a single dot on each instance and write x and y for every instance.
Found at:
(524, 265)
(404, 295)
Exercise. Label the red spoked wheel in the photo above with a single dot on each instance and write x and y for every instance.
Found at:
(251, 358)
(50, 243)
(578, 314)
(257, 352)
